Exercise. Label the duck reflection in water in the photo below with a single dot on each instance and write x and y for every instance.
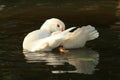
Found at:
(76, 61)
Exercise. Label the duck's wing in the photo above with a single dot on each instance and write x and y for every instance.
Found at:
(79, 37)
(50, 42)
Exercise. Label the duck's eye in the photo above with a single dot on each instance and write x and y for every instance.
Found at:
(58, 25)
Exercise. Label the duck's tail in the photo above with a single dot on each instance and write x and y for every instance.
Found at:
(90, 31)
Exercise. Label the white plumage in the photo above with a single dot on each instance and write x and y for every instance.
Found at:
(79, 37)
(53, 34)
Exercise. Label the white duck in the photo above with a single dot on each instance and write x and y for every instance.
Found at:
(53, 34)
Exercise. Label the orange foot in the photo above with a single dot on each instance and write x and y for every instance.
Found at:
(62, 50)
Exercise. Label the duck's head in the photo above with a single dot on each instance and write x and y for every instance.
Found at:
(53, 25)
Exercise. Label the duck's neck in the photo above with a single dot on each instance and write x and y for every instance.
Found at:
(46, 31)
(46, 28)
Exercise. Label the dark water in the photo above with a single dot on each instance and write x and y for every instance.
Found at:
(99, 60)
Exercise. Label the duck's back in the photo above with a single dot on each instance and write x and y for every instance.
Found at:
(34, 36)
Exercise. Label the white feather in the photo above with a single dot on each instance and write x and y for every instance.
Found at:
(33, 42)
(79, 37)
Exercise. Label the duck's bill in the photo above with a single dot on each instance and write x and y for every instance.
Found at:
(69, 29)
